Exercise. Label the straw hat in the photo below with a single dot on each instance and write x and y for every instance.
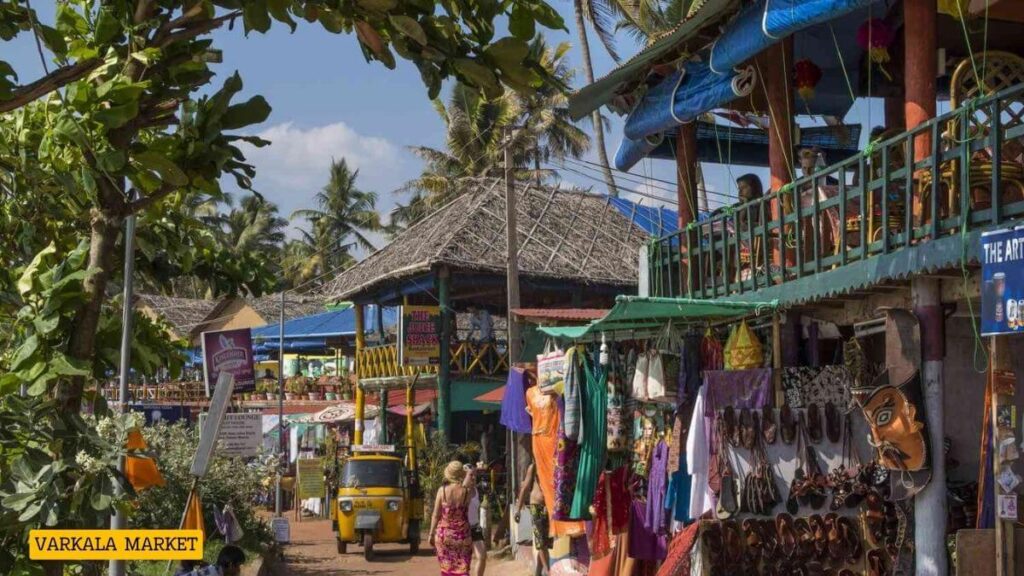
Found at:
(454, 472)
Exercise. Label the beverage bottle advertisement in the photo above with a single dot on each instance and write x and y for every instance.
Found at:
(1002, 282)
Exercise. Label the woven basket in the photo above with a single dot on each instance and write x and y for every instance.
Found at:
(743, 350)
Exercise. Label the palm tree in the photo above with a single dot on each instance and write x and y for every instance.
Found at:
(476, 132)
(253, 227)
(343, 218)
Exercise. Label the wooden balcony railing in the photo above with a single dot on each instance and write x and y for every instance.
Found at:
(468, 358)
(875, 203)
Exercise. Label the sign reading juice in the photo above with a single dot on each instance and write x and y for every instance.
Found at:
(1002, 282)
(420, 335)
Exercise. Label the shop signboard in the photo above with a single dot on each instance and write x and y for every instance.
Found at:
(1002, 282)
(420, 336)
(229, 351)
(241, 434)
(310, 483)
(282, 530)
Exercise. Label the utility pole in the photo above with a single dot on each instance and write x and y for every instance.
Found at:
(512, 244)
(280, 407)
(118, 521)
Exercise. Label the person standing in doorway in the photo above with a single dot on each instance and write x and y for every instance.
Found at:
(539, 516)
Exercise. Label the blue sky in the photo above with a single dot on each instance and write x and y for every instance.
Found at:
(329, 102)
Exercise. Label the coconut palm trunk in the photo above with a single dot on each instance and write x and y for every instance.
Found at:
(588, 69)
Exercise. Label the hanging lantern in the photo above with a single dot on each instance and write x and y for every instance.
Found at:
(875, 37)
(806, 76)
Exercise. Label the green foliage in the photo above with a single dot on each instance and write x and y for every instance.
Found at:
(229, 481)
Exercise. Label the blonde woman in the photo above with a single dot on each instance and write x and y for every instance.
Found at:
(449, 524)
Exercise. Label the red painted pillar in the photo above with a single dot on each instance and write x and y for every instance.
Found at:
(920, 68)
(774, 65)
(686, 194)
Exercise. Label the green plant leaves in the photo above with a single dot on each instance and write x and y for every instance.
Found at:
(410, 27)
(169, 171)
(252, 111)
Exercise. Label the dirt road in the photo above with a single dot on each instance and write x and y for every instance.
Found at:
(313, 553)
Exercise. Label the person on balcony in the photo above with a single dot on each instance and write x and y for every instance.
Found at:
(481, 325)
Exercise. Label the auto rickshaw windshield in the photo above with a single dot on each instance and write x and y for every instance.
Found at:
(376, 473)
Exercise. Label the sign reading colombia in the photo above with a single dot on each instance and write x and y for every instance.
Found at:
(115, 544)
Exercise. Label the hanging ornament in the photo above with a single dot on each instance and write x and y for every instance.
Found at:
(957, 9)
(806, 76)
(875, 37)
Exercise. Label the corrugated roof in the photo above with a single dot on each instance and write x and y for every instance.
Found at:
(323, 325)
(560, 314)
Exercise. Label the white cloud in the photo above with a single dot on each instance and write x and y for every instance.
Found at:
(294, 167)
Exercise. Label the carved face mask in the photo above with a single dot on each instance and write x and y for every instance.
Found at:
(895, 430)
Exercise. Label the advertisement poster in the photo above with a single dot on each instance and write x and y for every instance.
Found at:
(240, 436)
(310, 483)
(1002, 282)
(420, 332)
(229, 351)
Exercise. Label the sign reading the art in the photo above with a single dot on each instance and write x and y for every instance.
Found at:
(229, 351)
(311, 478)
(420, 332)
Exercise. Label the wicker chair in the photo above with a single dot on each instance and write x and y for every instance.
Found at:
(999, 70)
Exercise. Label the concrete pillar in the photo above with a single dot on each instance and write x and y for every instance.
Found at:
(686, 193)
(444, 385)
(930, 503)
(920, 67)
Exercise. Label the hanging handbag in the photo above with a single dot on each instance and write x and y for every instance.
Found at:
(550, 368)
(666, 389)
(655, 376)
(639, 388)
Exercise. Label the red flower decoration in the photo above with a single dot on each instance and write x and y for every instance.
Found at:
(806, 76)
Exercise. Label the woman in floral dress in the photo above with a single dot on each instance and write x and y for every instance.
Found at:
(449, 525)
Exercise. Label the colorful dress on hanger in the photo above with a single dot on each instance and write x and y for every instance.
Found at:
(644, 541)
(567, 461)
(657, 485)
(513, 404)
(617, 421)
(543, 410)
(611, 510)
(592, 447)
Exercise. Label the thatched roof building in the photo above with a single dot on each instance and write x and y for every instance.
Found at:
(186, 316)
(269, 307)
(568, 240)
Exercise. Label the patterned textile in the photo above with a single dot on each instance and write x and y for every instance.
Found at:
(677, 562)
(567, 460)
(513, 404)
(453, 543)
(804, 385)
(573, 399)
(737, 388)
(543, 409)
(541, 527)
(711, 355)
(618, 418)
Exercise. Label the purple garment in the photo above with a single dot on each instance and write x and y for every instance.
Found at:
(737, 388)
(567, 463)
(644, 542)
(513, 404)
(657, 480)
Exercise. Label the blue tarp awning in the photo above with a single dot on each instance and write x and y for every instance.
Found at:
(657, 221)
(330, 324)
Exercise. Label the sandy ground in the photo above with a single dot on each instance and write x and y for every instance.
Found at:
(313, 552)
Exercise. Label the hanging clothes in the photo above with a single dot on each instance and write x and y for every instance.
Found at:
(677, 496)
(573, 394)
(677, 562)
(616, 563)
(567, 460)
(543, 411)
(689, 368)
(644, 541)
(829, 384)
(737, 388)
(592, 446)
(657, 481)
(514, 415)
(617, 420)
(698, 460)
(711, 355)
(611, 510)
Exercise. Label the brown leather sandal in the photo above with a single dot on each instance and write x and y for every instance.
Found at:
(834, 538)
(787, 424)
(728, 428)
(813, 423)
(876, 564)
(833, 423)
(851, 539)
(733, 543)
(820, 534)
(769, 429)
(752, 535)
(805, 539)
(786, 535)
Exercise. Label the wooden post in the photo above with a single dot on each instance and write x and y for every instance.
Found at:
(930, 503)
(686, 194)
(357, 437)
(444, 385)
(1005, 539)
(920, 66)
(774, 65)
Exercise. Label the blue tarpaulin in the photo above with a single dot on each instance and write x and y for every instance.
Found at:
(766, 22)
(684, 95)
(324, 325)
(657, 221)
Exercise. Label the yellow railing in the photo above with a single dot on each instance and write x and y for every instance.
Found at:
(467, 359)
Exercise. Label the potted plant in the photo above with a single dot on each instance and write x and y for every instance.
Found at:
(346, 389)
(268, 388)
(296, 387)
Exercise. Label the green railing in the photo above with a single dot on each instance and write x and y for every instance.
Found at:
(868, 205)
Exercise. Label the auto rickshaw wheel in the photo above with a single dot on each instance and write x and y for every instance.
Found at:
(342, 547)
(368, 546)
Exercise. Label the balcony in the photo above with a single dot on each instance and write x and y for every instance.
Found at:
(875, 214)
(468, 358)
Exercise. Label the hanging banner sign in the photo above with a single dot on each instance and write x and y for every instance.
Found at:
(420, 336)
(229, 351)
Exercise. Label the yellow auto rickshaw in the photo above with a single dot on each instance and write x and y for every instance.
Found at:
(378, 497)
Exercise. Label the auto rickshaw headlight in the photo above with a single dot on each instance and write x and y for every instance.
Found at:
(345, 505)
(393, 505)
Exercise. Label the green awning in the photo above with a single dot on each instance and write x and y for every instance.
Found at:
(465, 392)
(642, 312)
(593, 96)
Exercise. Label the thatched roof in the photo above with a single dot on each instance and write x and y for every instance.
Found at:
(563, 235)
(269, 307)
(183, 314)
